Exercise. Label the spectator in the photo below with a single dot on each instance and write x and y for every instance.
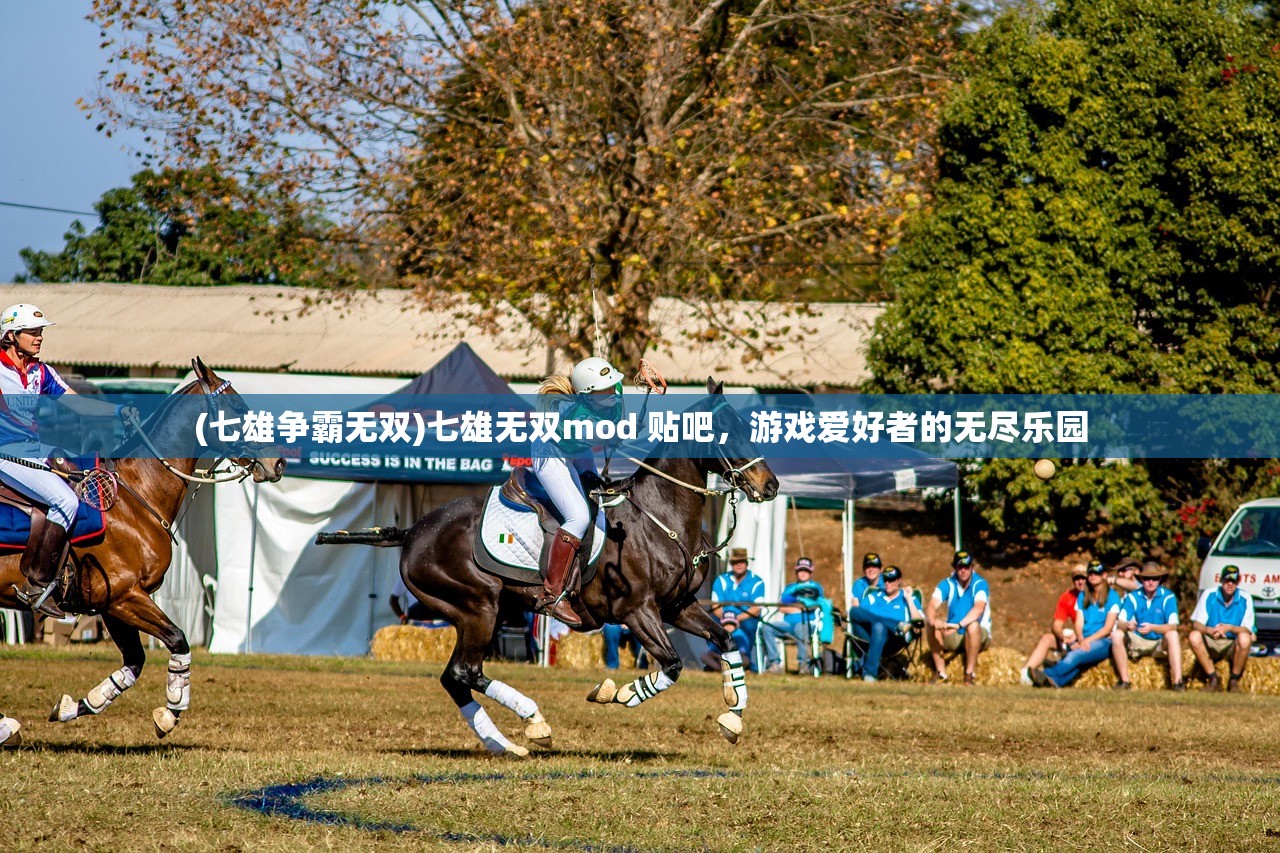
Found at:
(1097, 609)
(740, 585)
(870, 577)
(894, 612)
(1148, 625)
(967, 599)
(1062, 632)
(1125, 579)
(405, 606)
(796, 613)
(1222, 626)
(613, 638)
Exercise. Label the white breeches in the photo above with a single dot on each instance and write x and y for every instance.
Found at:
(560, 479)
(46, 487)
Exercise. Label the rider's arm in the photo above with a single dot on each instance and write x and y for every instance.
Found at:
(88, 406)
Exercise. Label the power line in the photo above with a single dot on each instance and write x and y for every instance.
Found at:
(47, 209)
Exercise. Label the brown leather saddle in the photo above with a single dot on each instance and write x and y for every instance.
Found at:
(67, 595)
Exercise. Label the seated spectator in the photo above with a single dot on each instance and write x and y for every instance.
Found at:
(870, 580)
(1222, 626)
(796, 614)
(1097, 609)
(1125, 579)
(740, 585)
(894, 612)
(1148, 625)
(965, 597)
(614, 635)
(1062, 631)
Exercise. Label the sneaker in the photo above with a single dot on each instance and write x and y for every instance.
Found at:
(869, 678)
(775, 669)
(1178, 687)
(904, 628)
(1039, 679)
(1024, 676)
(1213, 683)
(940, 678)
(1233, 685)
(969, 679)
(1122, 685)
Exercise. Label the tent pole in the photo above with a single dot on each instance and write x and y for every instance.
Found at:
(253, 554)
(846, 573)
(956, 522)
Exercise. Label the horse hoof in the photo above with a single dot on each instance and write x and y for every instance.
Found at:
(165, 720)
(539, 732)
(604, 692)
(730, 726)
(10, 732)
(516, 751)
(66, 710)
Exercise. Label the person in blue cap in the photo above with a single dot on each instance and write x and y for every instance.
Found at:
(1097, 609)
(892, 632)
(967, 624)
(1222, 626)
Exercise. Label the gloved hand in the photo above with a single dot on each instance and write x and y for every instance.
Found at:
(590, 481)
(130, 415)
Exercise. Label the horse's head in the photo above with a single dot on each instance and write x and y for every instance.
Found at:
(220, 396)
(743, 466)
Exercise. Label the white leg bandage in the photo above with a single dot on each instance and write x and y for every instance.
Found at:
(645, 687)
(177, 691)
(735, 682)
(511, 699)
(106, 692)
(484, 728)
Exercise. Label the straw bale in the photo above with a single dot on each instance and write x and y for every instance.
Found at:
(586, 651)
(995, 666)
(413, 643)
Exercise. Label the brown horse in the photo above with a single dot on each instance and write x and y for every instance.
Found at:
(117, 576)
(649, 573)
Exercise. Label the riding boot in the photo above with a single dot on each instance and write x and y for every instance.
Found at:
(564, 548)
(41, 569)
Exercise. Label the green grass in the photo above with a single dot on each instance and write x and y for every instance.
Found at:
(822, 763)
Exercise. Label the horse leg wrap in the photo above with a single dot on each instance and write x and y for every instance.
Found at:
(645, 687)
(511, 699)
(106, 692)
(10, 731)
(493, 740)
(735, 682)
(177, 690)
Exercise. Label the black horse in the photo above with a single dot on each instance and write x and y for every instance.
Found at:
(649, 573)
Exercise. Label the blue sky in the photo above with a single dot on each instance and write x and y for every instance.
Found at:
(50, 155)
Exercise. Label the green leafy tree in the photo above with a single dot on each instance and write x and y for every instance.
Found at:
(1104, 222)
(194, 228)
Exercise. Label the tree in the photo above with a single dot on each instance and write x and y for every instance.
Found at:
(1105, 217)
(574, 159)
(1104, 223)
(193, 228)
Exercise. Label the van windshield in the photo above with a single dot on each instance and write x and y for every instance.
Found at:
(1252, 533)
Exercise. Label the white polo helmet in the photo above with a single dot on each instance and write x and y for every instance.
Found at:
(594, 374)
(22, 316)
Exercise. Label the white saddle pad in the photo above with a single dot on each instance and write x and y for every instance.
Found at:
(514, 538)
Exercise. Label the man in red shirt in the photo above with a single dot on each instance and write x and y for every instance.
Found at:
(1063, 633)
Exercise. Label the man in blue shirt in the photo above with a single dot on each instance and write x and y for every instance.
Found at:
(744, 587)
(860, 621)
(1222, 626)
(891, 632)
(968, 620)
(1148, 625)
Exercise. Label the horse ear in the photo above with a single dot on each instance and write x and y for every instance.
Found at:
(197, 367)
(714, 387)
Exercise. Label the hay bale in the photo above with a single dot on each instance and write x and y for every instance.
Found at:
(995, 666)
(580, 651)
(413, 643)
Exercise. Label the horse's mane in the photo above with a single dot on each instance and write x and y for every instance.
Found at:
(134, 440)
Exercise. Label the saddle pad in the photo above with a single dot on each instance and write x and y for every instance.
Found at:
(510, 540)
(15, 525)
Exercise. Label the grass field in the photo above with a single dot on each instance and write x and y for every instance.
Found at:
(822, 763)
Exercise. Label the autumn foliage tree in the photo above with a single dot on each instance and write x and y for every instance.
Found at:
(575, 159)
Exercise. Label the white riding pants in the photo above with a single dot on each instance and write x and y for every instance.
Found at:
(563, 486)
(45, 487)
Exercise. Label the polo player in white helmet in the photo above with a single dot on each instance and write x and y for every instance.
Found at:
(23, 379)
(593, 390)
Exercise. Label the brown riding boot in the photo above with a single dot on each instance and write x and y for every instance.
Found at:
(40, 563)
(564, 548)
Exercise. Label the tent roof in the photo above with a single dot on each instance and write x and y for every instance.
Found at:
(459, 372)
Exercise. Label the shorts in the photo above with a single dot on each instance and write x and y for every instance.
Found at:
(1218, 648)
(955, 642)
(1140, 646)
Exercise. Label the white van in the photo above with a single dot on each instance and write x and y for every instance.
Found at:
(1251, 540)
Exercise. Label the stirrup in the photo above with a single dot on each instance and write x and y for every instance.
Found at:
(40, 603)
(547, 605)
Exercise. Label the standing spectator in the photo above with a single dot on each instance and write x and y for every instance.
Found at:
(1097, 609)
(968, 621)
(613, 639)
(796, 617)
(405, 606)
(1222, 626)
(740, 585)
(1062, 631)
(1148, 625)
(894, 611)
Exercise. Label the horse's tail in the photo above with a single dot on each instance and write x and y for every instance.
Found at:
(381, 537)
